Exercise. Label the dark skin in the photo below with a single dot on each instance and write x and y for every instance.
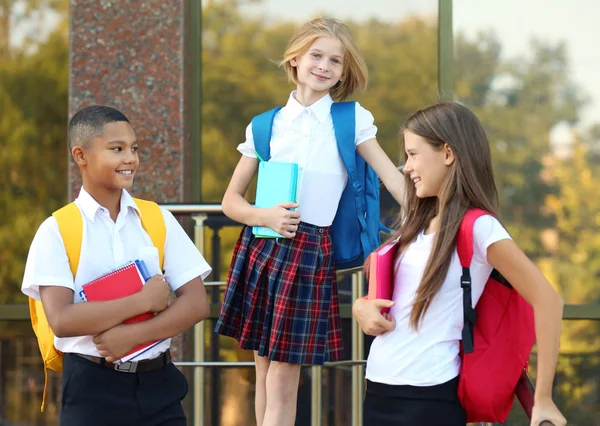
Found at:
(108, 164)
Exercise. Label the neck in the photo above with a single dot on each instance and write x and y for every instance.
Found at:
(306, 96)
(109, 199)
(433, 226)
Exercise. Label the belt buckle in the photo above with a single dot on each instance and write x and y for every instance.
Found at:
(127, 367)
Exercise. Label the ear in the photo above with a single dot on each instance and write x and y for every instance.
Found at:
(448, 155)
(79, 155)
(294, 62)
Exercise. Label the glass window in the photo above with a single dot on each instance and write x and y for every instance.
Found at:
(530, 72)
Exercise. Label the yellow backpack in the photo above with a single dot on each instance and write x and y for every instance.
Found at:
(70, 225)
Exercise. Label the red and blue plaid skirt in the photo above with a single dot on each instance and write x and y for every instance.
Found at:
(281, 297)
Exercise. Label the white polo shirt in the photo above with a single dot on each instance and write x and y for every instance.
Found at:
(107, 245)
(305, 135)
(430, 356)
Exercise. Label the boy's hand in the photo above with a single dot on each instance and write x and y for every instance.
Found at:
(282, 220)
(156, 293)
(369, 317)
(116, 342)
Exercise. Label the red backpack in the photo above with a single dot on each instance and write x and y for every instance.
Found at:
(497, 338)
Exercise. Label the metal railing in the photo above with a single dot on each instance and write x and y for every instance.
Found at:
(200, 216)
(211, 216)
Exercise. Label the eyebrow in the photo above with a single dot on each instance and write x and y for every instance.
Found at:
(314, 49)
(120, 142)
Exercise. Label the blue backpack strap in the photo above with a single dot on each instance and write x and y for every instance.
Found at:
(261, 132)
(343, 115)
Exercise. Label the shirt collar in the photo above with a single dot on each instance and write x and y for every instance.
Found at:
(321, 109)
(90, 206)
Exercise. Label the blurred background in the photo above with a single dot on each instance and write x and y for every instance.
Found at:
(191, 74)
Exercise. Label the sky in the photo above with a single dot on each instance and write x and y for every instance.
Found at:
(514, 21)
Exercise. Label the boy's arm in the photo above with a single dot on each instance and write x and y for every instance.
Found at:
(68, 319)
(190, 307)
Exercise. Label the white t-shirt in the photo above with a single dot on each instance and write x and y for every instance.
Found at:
(430, 356)
(105, 246)
(305, 135)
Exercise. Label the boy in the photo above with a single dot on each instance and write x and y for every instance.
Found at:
(91, 335)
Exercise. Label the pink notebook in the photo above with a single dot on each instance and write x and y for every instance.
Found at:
(381, 273)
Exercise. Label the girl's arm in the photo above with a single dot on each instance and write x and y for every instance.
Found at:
(279, 218)
(385, 169)
(528, 280)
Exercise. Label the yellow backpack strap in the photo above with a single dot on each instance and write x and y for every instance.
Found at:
(154, 223)
(70, 225)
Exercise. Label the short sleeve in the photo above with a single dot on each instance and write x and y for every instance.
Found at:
(183, 261)
(47, 261)
(365, 129)
(247, 148)
(486, 231)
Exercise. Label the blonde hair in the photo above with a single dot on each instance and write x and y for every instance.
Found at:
(355, 74)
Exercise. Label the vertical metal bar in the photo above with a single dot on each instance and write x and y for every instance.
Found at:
(445, 51)
(358, 383)
(195, 101)
(316, 379)
(215, 373)
(199, 335)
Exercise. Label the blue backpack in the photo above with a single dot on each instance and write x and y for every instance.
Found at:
(355, 229)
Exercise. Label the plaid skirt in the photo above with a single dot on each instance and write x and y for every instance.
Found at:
(281, 297)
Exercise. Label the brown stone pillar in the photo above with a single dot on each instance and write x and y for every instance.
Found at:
(131, 55)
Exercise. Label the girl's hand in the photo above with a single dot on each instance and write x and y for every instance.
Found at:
(546, 410)
(369, 317)
(282, 220)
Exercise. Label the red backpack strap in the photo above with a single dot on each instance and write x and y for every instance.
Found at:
(464, 247)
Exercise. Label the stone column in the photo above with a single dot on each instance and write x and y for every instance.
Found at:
(132, 55)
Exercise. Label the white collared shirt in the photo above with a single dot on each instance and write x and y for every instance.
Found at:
(305, 135)
(106, 245)
(430, 356)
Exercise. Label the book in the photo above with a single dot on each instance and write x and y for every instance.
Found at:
(277, 183)
(381, 273)
(118, 283)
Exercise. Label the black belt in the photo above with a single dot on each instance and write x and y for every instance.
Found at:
(133, 366)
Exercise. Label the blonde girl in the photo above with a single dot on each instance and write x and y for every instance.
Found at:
(281, 299)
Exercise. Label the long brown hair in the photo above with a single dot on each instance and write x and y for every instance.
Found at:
(469, 183)
(356, 74)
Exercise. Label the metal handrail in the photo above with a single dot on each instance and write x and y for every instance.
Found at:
(200, 213)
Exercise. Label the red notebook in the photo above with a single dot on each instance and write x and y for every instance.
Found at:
(122, 282)
(381, 273)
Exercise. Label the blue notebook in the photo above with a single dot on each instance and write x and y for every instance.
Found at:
(277, 183)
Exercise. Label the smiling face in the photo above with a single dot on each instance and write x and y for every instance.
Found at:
(110, 161)
(321, 67)
(426, 164)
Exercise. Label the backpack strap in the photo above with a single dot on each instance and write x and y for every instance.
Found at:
(343, 115)
(153, 223)
(464, 247)
(70, 225)
(262, 125)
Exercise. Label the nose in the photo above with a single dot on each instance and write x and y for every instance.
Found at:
(323, 64)
(407, 168)
(130, 157)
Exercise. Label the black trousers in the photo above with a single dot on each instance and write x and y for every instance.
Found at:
(94, 395)
(387, 405)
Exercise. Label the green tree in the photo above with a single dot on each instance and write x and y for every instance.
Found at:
(33, 156)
